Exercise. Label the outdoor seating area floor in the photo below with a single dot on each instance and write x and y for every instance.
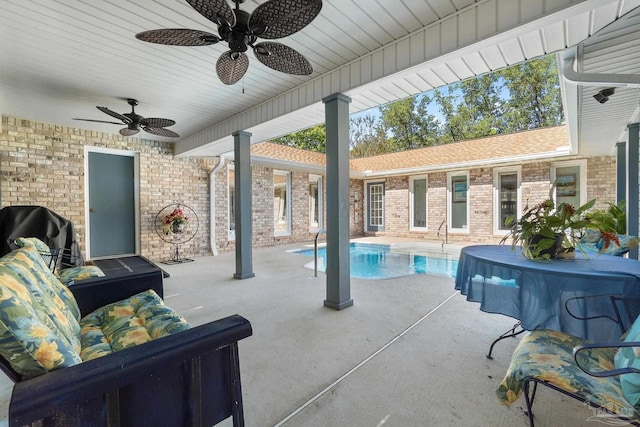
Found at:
(409, 352)
(308, 365)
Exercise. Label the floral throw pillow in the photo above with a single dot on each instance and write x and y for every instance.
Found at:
(592, 241)
(35, 242)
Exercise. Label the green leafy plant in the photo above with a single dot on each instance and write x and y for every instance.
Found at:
(611, 219)
(545, 230)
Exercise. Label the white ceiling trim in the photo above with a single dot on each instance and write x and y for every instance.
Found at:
(440, 47)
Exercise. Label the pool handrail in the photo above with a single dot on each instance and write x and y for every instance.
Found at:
(446, 234)
(315, 253)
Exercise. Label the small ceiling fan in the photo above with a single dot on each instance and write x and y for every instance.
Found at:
(135, 122)
(271, 20)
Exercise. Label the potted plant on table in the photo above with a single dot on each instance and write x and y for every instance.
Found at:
(548, 231)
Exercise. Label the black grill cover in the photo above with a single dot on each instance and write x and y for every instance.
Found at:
(37, 221)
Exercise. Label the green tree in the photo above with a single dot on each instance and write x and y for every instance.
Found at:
(312, 139)
(482, 106)
(521, 97)
(367, 137)
(471, 109)
(534, 98)
(454, 122)
(409, 123)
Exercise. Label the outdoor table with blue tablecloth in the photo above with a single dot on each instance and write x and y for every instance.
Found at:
(504, 281)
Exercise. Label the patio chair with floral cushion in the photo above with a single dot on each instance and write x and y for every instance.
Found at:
(605, 376)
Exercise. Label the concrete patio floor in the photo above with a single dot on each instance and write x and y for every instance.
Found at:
(409, 352)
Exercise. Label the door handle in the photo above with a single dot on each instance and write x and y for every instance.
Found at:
(91, 210)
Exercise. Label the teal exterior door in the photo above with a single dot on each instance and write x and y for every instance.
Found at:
(112, 205)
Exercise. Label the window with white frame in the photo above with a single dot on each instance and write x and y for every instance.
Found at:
(315, 202)
(571, 187)
(418, 202)
(506, 197)
(281, 203)
(231, 202)
(458, 213)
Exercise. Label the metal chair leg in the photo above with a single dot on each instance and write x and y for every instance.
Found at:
(529, 397)
(510, 333)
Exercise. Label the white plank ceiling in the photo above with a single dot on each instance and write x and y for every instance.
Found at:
(59, 59)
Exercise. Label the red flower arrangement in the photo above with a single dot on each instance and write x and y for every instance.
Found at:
(175, 221)
(177, 216)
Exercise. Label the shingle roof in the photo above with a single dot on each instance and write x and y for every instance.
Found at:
(289, 154)
(521, 145)
(515, 145)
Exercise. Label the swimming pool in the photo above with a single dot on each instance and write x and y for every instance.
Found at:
(373, 261)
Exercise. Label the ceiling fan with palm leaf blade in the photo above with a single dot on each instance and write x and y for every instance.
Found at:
(135, 122)
(271, 20)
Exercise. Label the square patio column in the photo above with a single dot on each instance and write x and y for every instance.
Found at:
(242, 195)
(633, 192)
(621, 171)
(337, 169)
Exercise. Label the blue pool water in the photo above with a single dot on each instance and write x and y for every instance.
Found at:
(369, 261)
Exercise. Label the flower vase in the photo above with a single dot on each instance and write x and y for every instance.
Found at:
(178, 227)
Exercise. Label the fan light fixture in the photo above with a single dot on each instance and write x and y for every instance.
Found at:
(271, 20)
(134, 122)
(604, 94)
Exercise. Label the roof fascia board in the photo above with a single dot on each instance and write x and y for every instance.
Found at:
(462, 165)
(285, 164)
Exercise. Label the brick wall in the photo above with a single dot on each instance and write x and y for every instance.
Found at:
(436, 206)
(396, 196)
(357, 215)
(601, 173)
(480, 205)
(535, 182)
(43, 164)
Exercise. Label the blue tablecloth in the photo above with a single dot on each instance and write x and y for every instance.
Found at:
(505, 282)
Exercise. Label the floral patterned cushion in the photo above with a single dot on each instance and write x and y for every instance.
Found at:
(81, 272)
(136, 320)
(592, 241)
(40, 246)
(40, 325)
(39, 328)
(66, 275)
(548, 355)
(627, 357)
(49, 255)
